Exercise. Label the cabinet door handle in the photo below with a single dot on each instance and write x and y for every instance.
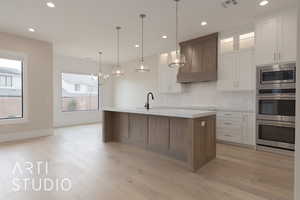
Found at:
(203, 124)
(274, 57)
(279, 55)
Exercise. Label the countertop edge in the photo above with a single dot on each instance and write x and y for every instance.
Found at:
(145, 112)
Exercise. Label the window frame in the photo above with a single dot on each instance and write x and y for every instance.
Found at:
(60, 91)
(24, 58)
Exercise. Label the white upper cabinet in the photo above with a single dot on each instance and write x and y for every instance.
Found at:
(227, 45)
(236, 57)
(237, 71)
(276, 38)
(227, 72)
(288, 35)
(246, 41)
(246, 70)
(167, 77)
(266, 45)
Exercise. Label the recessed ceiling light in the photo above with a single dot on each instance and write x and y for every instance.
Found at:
(263, 2)
(50, 4)
(137, 46)
(204, 23)
(31, 30)
(164, 37)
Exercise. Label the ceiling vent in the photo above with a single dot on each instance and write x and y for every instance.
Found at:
(229, 3)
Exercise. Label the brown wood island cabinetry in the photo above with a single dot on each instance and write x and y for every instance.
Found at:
(190, 141)
(201, 56)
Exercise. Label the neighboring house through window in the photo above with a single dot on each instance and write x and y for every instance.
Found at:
(6, 81)
(9, 81)
(77, 87)
(2, 81)
(79, 92)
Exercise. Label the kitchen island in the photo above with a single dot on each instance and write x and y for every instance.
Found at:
(187, 136)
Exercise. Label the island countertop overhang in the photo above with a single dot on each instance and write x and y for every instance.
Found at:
(167, 112)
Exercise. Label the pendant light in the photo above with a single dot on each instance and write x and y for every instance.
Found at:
(101, 75)
(176, 60)
(117, 69)
(142, 67)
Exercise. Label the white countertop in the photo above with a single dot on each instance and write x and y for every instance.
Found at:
(212, 108)
(183, 113)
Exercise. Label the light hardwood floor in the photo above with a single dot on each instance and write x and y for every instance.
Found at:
(116, 171)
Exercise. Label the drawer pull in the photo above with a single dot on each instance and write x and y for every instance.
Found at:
(227, 123)
(228, 135)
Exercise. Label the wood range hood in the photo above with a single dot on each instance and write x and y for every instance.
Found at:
(201, 56)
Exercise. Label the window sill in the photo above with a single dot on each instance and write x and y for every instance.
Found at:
(13, 121)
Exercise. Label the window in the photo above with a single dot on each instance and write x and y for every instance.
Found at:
(80, 92)
(11, 88)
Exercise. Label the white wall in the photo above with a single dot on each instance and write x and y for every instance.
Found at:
(297, 168)
(131, 91)
(76, 65)
(38, 86)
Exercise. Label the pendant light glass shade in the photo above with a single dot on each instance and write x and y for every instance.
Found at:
(101, 75)
(177, 60)
(117, 69)
(142, 67)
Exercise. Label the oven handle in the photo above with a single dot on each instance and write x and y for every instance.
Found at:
(276, 97)
(276, 68)
(279, 124)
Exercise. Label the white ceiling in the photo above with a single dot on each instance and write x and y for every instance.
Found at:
(80, 28)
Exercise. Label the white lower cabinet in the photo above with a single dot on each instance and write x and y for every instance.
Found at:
(236, 127)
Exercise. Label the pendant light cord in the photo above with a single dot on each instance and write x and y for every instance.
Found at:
(118, 46)
(142, 16)
(177, 26)
(100, 62)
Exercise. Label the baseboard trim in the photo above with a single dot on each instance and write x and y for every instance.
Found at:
(274, 150)
(77, 124)
(9, 137)
(248, 146)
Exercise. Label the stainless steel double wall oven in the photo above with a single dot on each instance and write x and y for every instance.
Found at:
(276, 106)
